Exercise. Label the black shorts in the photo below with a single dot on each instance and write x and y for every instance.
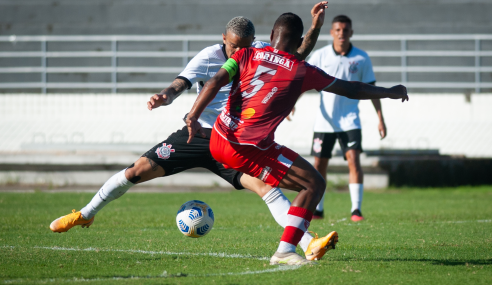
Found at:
(323, 143)
(175, 156)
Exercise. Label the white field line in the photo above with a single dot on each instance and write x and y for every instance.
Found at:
(423, 222)
(213, 254)
(164, 275)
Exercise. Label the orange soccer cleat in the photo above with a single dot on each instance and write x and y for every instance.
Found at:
(64, 223)
(319, 246)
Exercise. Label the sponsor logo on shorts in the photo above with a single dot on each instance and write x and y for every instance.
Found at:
(269, 95)
(274, 59)
(284, 160)
(265, 173)
(164, 152)
(351, 144)
(353, 67)
(317, 145)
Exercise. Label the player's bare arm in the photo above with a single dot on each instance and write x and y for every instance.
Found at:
(208, 93)
(362, 91)
(311, 37)
(167, 96)
(381, 126)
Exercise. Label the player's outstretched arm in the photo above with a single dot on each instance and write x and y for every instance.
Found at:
(208, 93)
(311, 37)
(362, 91)
(167, 96)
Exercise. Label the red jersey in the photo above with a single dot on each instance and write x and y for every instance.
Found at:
(266, 86)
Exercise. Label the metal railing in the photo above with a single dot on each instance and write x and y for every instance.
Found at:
(185, 54)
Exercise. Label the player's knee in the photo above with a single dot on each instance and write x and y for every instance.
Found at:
(355, 167)
(320, 187)
(317, 187)
(133, 172)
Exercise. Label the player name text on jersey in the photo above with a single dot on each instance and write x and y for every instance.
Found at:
(274, 58)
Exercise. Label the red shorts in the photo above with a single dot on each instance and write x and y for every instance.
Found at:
(268, 165)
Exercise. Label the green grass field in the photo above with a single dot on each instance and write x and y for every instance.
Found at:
(411, 236)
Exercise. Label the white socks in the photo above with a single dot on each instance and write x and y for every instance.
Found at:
(113, 189)
(321, 203)
(279, 206)
(356, 191)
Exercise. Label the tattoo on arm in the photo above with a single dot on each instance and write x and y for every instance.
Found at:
(176, 88)
(153, 165)
(308, 44)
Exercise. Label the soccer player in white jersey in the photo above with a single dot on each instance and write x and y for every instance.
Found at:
(338, 116)
(174, 155)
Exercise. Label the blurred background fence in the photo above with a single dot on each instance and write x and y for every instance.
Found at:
(117, 63)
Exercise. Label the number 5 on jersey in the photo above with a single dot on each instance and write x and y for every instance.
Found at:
(257, 82)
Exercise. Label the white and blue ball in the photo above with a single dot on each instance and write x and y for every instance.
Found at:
(195, 219)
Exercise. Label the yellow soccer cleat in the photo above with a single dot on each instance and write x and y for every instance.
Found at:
(319, 246)
(64, 223)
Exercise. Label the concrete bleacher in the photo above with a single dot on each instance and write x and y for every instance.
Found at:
(157, 17)
(178, 17)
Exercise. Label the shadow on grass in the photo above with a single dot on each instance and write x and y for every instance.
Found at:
(447, 262)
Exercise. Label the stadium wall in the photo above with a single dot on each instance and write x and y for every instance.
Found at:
(451, 124)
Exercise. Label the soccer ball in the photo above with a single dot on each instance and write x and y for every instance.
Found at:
(195, 219)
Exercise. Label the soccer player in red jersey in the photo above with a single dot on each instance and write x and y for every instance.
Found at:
(266, 84)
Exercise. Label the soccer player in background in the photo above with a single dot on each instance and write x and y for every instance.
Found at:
(174, 155)
(338, 116)
(266, 85)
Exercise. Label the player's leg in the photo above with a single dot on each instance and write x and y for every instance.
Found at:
(157, 162)
(273, 197)
(142, 170)
(323, 144)
(302, 177)
(272, 166)
(351, 144)
(356, 183)
(276, 201)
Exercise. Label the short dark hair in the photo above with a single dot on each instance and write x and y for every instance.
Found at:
(241, 27)
(291, 22)
(342, 19)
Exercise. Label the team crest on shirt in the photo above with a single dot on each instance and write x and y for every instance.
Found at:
(164, 152)
(317, 145)
(353, 67)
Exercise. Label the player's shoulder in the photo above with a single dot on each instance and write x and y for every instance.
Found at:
(310, 66)
(358, 52)
(210, 52)
(326, 51)
(260, 44)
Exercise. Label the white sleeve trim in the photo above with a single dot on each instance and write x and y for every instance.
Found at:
(329, 85)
